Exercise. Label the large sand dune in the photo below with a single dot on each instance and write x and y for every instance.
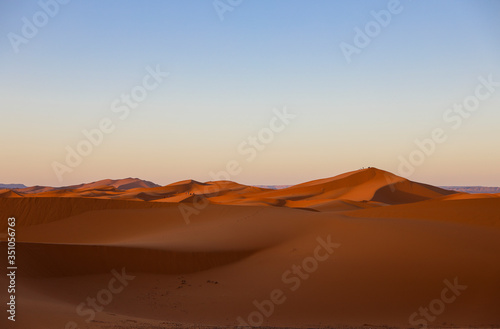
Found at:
(372, 248)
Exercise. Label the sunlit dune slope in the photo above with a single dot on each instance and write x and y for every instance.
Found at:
(362, 185)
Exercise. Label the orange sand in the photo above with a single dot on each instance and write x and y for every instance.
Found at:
(399, 240)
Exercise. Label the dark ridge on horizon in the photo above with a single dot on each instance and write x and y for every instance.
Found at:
(12, 186)
(473, 189)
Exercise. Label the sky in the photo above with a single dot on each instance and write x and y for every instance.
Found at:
(258, 92)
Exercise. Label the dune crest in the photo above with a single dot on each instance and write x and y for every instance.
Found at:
(372, 186)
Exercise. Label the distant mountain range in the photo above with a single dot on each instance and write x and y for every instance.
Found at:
(273, 187)
(473, 189)
(12, 186)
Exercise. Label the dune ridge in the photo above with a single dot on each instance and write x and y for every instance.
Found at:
(370, 185)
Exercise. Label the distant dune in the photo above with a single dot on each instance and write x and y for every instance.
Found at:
(365, 249)
(121, 184)
(6, 193)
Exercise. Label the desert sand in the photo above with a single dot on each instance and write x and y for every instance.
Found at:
(365, 249)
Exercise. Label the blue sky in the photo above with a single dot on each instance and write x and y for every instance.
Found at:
(226, 77)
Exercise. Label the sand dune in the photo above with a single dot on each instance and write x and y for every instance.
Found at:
(366, 185)
(35, 189)
(394, 243)
(473, 211)
(120, 184)
(333, 205)
(362, 185)
(462, 196)
(5, 193)
(34, 211)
